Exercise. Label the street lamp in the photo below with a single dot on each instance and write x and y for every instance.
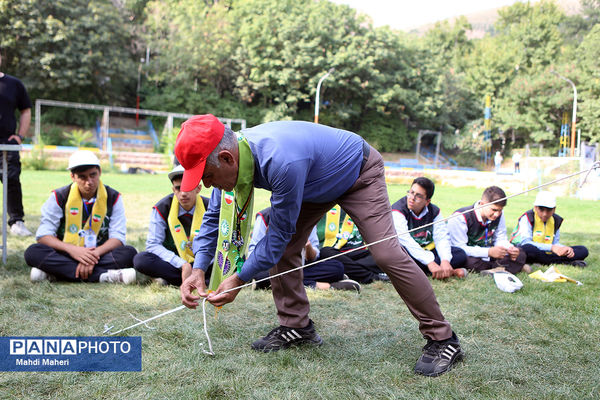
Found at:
(137, 96)
(573, 130)
(317, 95)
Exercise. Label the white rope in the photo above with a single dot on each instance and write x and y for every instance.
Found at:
(147, 320)
(210, 350)
(454, 215)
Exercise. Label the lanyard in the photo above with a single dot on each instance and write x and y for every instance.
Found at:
(88, 213)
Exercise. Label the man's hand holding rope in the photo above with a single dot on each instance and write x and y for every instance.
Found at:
(225, 292)
(195, 281)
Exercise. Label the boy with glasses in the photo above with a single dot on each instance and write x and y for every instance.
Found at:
(429, 246)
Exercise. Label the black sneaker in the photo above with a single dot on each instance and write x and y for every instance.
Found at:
(283, 337)
(346, 284)
(439, 356)
(383, 277)
(578, 263)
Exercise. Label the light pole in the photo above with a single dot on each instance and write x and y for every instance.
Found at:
(137, 97)
(573, 130)
(317, 95)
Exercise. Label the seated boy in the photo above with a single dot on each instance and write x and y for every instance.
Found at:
(81, 236)
(174, 222)
(481, 233)
(429, 247)
(337, 235)
(324, 275)
(537, 233)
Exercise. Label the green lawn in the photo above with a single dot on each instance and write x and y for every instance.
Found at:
(540, 342)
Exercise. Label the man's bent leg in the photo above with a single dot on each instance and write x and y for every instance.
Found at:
(289, 293)
(375, 223)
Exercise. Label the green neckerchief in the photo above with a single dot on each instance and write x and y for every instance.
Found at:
(234, 224)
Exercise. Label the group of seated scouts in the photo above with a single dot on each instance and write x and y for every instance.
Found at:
(81, 236)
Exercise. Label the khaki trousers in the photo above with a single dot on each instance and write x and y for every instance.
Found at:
(368, 205)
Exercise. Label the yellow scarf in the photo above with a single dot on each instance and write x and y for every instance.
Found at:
(332, 226)
(334, 236)
(181, 240)
(543, 232)
(74, 213)
(345, 232)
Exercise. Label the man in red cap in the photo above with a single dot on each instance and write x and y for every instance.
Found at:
(308, 168)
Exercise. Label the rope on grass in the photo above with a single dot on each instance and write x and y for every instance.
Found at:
(454, 215)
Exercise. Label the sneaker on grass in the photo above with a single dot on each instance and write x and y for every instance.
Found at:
(125, 276)
(346, 284)
(160, 281)
(382, 276)
(439, 356)
(37, 275)
(578, 263)
(283, 337)
(460, 273)
(491, 272)
(19, 229)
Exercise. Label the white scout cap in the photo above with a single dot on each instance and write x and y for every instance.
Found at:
(82, 157)
(507, 282)
(176, 172)
(545, 199)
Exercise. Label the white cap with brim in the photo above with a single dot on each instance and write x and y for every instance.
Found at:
(176, 172)
(507, 282)
(83, 157)
(545, 199)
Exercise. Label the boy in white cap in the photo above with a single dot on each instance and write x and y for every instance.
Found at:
(174, 222)
(81, 236)
(538, 234)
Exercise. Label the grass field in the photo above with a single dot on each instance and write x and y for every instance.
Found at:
(540, 342)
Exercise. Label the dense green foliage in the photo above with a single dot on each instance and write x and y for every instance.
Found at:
(261, 60)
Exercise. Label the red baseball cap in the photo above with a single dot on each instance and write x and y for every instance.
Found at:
(198, 137)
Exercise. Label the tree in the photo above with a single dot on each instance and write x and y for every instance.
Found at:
(536, 29)
(588, 55)
(74, 50)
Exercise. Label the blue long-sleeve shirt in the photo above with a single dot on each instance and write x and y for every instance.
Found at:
(298, 162)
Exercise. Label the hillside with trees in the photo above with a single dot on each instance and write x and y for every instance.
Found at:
(261, 60)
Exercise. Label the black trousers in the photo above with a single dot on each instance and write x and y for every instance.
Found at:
(14, 201)
(327, 271)
(152, 265)
(459, 259)
(63, 267)
(535, 255)
(513, 266)
(358, 265)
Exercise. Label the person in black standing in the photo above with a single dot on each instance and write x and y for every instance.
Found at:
(13, 96)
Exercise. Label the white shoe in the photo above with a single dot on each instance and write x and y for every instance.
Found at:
(19, 229)
(37, 275)
(160, 281)
(125, 276)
